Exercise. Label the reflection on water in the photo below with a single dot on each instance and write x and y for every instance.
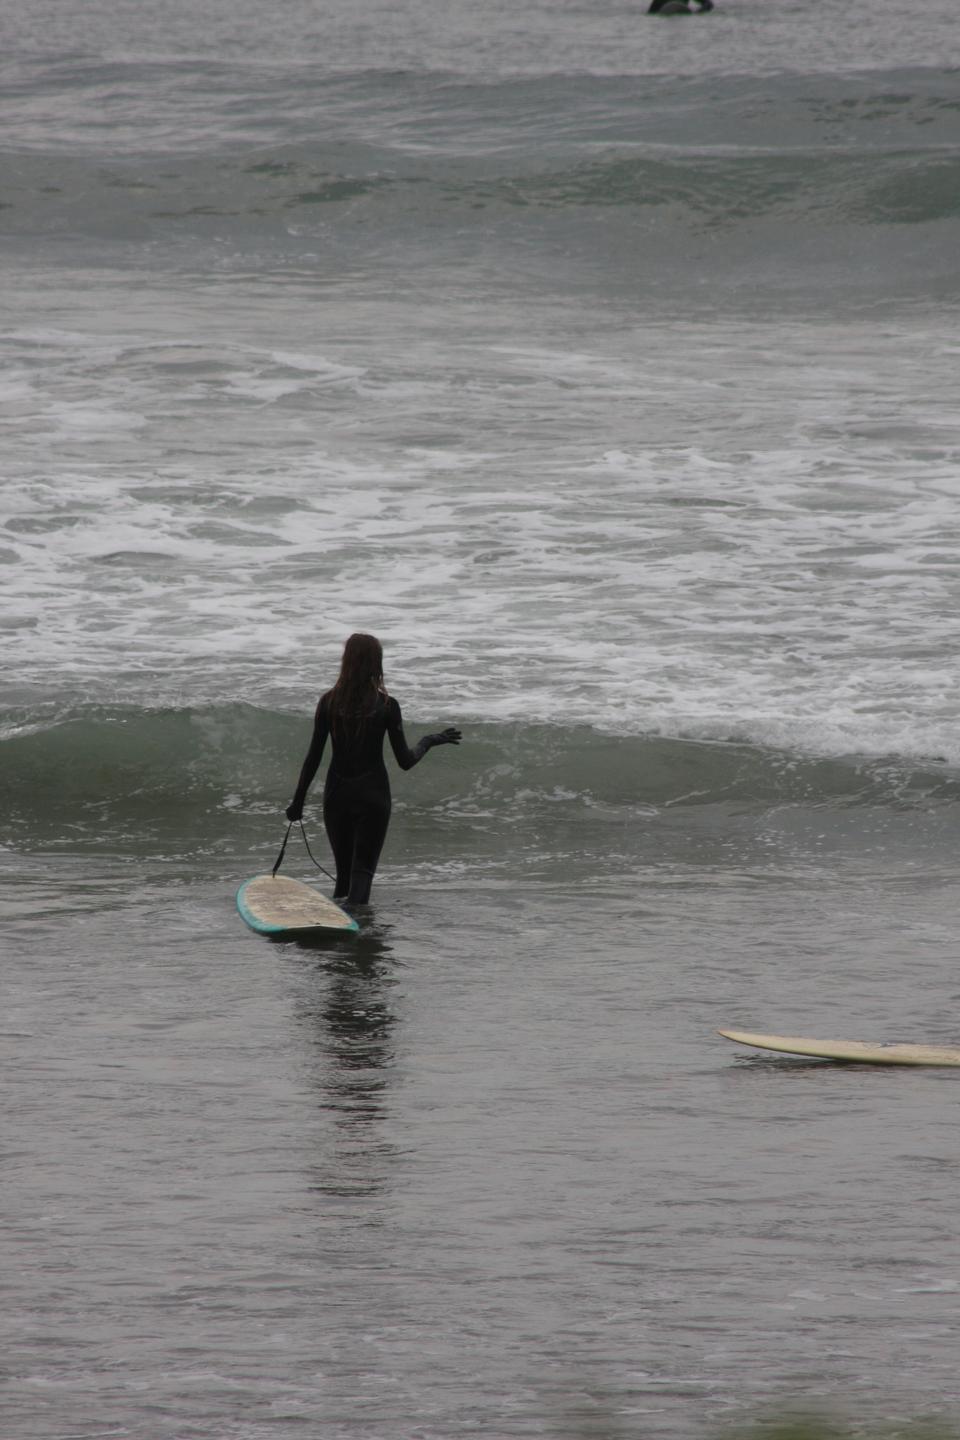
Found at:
(348, 1021)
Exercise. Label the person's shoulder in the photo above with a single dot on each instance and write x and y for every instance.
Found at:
(393, 707)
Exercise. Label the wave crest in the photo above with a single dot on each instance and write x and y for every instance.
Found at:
(212, 774)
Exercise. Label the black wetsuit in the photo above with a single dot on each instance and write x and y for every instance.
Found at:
(657, 5)
(356, 794)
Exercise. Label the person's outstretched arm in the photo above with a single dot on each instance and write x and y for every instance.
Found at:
(321, 729)
(405, 757)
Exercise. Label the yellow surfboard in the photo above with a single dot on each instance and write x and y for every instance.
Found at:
(276, 905)
(854, 1052)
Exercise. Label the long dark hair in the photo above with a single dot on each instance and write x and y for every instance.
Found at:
(359, 688)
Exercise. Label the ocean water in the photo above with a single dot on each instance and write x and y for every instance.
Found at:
(605, 367)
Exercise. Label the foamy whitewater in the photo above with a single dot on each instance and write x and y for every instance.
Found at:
(604, 366)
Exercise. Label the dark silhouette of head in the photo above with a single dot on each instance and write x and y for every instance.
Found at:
(359, 686)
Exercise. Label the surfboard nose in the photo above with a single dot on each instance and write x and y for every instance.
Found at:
(277, 905)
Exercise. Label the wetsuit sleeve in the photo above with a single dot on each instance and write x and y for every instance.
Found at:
(321, 729)
(405, 757)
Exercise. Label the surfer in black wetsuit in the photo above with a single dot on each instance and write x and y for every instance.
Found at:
(356, 714)
(678, 7)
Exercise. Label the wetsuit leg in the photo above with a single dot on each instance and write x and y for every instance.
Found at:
(356, 813)
(372, 820)
(338, 820)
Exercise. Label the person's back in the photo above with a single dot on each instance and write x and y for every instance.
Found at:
(355, 715)
(357, 741)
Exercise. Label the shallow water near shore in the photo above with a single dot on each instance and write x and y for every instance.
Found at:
(484, 1168)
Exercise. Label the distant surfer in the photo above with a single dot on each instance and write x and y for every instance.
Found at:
(678, 7)
(356, 715)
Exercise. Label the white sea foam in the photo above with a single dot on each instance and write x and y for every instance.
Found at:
(708, 531)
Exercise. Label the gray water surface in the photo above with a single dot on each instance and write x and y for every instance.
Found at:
(483, 1170)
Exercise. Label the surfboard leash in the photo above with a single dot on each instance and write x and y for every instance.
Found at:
(283, 849)
(312, 856)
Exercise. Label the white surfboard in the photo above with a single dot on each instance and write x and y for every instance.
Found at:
(853, 1051)
(276, 905)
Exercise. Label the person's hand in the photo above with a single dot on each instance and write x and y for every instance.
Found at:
(294, 811)
(450, 736)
